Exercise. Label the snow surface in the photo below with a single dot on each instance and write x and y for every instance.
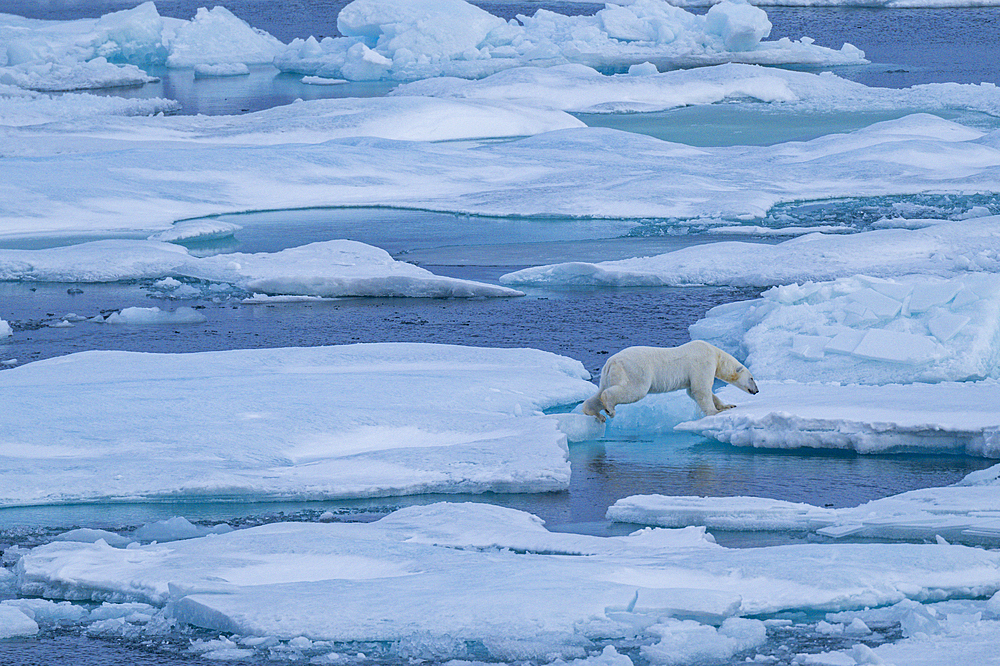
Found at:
(326, 268)
(392, 39)
(377, 581)
(946, 248)
(353, 421)
(582, 89)
(868, 330)
(149, 185)
(966, 512)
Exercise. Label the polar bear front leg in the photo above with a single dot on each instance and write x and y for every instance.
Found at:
(701, 392)
(719, 405)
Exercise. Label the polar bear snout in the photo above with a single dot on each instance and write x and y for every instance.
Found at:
(744, 380)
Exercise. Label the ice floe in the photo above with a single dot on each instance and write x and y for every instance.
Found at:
(579, 88)
(22, 107)
(868, 330)
(662, 589)
(108, 51)
(326, 268)
(947, 248)
(416, 40)
(959, 417)
(353, 421)
(151, 184)
(966, 512)
(145, 316)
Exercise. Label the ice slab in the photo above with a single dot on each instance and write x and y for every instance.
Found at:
(950, 416)
(867, 330)
(326, 422)
(108, 51)
(582, 89)
(21, 107)
(377, 581)
(392, 39)
(84, 184)
(948, 248)
(325, 269)
(966, 512)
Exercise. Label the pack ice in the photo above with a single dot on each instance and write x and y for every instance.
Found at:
(581, 89)
(425, 38)
(354, 421)
(499, 583)
(150, 184)
(108, 52)
(322, 269)
(942, 247)
(966, 512)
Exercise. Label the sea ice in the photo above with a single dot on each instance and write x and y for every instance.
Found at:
(311, 423)
(416, 40)
(154, 315)
(5, 331)
(148, 185)
(328, 268)
(960, 417)
(107, 52)
(867, 330)
(966, 512)
(227, 69)
(20, 108)
(13, 622)
(582, 89)
(376, 582)
(948, 248)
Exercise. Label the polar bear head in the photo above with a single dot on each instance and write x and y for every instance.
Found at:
(731, 371)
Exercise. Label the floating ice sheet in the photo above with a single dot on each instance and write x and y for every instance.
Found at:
(947, 248)
(91, 183)
(960, 417)
(327, 269)
(966, 512)
(377, 581)
(869, 330)
(326, 422)
(582, 89)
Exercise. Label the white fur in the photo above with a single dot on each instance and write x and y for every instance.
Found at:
(634, 372)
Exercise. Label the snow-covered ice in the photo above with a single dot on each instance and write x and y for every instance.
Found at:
(582, 89)
(416, 40)
(303, 423)
(225, 69)
(960, 417)
(966, 512)
(946, 248)
(154, 315)
(868, 330)
(149, 185)
(326, 268)
(108, 51)
(377, 581)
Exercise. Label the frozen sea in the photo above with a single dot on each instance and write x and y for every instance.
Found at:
(446, 226)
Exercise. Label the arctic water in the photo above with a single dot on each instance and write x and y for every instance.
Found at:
(906, 47)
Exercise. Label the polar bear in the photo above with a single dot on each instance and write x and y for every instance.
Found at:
(633, 372)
